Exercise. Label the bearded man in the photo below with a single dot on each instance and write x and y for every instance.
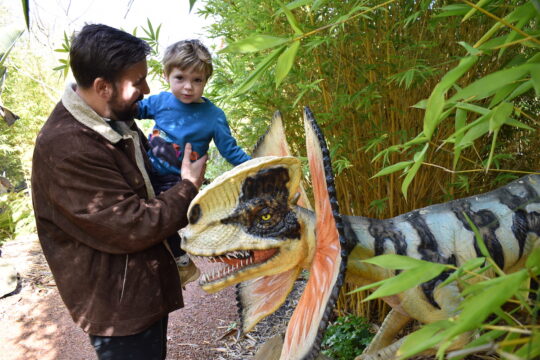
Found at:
(101, 227)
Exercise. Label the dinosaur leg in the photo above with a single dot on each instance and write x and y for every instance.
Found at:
(392, 324)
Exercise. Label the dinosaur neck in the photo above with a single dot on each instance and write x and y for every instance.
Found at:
(307, 219)
(357, 231)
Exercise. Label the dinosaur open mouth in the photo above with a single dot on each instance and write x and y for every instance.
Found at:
(225, 265)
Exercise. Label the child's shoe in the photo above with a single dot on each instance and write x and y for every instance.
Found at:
(187, 269)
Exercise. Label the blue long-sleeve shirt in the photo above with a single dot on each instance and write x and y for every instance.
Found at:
(196, 123)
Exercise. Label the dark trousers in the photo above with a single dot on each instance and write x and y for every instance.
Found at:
(150, 344)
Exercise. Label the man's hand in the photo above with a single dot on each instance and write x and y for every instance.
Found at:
(193, 171)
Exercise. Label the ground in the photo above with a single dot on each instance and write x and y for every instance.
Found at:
(36, 325)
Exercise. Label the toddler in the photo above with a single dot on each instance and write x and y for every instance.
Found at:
(182, 115)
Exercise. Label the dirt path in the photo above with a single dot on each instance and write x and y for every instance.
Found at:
(34, 323)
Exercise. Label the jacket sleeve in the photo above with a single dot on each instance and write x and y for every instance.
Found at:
(226, 143)
(95, 204)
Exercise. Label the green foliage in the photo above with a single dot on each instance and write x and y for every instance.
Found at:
(16, 215)
(31, 92)
(362, 65)
(346, 338)
(496, 312)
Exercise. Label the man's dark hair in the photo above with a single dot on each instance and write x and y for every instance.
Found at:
(103, 51)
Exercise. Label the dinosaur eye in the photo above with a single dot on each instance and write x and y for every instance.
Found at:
(266, 217)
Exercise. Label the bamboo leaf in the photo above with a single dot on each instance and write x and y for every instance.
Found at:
(477, 308)
(254, 43)
(291, 19)
(285, 62)
(427, 337)
(514, 34)
(480, 4)
(467, 267)
(257, 73)
(26, 10)
(518, 124)
(8, 37)
(478, 130)
(471, 50)
(418, 159)
(533, 261)
(489, 84)
(535, 78)
(523, 88)
(407, 280)
(459, 123)
(492, 149)
(393, 168)
(191, 3)
(396, 262)
(296, 4)
(436, 102)
(471, 107)
(500, 115)
(421, 104)
(452, 10)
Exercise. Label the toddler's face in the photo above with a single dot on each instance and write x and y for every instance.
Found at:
(187, 85)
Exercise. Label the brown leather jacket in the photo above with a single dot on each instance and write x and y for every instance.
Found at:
(100, 227)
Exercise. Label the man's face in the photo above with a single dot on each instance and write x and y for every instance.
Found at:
(129, 88)
(187, 85)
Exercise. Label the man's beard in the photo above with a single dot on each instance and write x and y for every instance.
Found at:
(122, 112)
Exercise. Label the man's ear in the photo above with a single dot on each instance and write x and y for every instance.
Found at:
(103, 88)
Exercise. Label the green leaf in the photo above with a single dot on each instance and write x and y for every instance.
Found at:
(477, 308)
(535, 77)
(427, 337)
(436, 101)
(471, 50)
(452, 10)
(407, 280)
(479, 129)
(500, 115)
(480, 4)
(254, 43)
(8, 37)
(296, 4)
(523, 88)
(418, 160)
(459, 123)
(191, 3)
(291, 19)
(467, 267)
(393, 168)
(518, 124)
(533, 261)
(473, 108)
(257, 73)
(285, 62)
(489, 84)
(26, 10)
(421, 104)
(396, 262)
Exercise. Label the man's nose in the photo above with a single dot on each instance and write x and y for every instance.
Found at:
(145, 88)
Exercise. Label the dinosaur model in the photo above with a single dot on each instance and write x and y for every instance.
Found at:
(249, 225)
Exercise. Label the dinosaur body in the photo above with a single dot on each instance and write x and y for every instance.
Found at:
(248, 223)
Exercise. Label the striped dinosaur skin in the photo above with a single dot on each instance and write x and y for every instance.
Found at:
(248, 223)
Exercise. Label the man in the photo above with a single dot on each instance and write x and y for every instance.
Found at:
(100, 225)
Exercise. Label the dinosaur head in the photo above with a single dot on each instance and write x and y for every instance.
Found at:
(245, 225)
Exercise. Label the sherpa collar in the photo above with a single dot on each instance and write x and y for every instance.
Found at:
(87, 116)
